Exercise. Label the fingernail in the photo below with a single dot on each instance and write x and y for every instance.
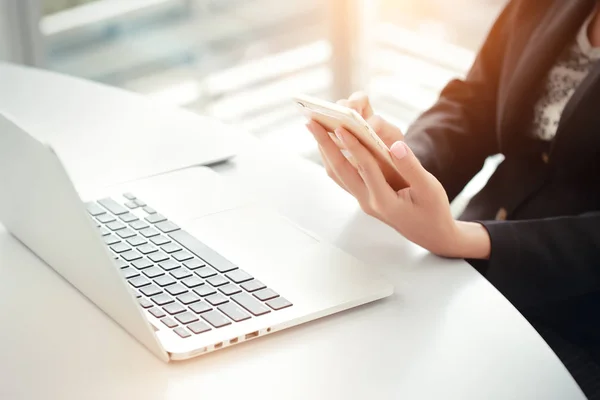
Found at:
(309, 127)
(339, 135)
(398, 149)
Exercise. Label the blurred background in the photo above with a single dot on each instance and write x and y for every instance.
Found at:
(239, 60)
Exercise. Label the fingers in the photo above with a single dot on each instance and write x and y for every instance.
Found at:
(408, 165)
(368, 168)
(339, 165)
(387, 131)
(359, 101)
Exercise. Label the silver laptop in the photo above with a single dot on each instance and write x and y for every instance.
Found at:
(177, 260)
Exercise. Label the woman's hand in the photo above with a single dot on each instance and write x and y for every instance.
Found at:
(420, 212)
(359, 102)
(388, 132)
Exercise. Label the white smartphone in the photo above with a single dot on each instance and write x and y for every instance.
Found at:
(332, 116)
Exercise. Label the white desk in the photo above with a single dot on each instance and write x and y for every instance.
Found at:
(445, 334)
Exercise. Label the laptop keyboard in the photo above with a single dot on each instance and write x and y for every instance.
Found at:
(177, 279)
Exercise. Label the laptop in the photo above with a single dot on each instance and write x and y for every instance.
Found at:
(179, 260)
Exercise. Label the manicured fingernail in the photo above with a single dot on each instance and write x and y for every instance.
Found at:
(399, 149)
(339, 135)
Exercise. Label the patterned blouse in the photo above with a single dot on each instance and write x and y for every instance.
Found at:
(572, 67)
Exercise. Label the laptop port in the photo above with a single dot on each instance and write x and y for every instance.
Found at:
(218, 345)
(251, 335)
(233, 341)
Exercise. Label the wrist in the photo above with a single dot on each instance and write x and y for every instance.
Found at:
(472, 241)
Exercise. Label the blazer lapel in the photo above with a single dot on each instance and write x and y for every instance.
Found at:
(577, 135)
(552, 34)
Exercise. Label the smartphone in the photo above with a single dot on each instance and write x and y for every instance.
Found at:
(332, 116)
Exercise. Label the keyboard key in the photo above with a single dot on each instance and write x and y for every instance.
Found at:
(115, 226)
(234, 312)
(121, 263)
(200, 307)
(105, 218)
(217, 299)
(170, 248)
(205, 290)
(266, 294)
(150, 210)
(129, 272)
(149, 232)
(157, 312)
(126, 233)
(205, 272)
(158, 256)
(167, 226)
(131, 204)
(278, 303)
(253, 285)
(136, 241)
(111, 239)
(147, 248)
(120, 247)
(169, 322)
(162, 299)
(160, 240)
(131, 255)
(181, 331)
(169, 265)
(94, 209)
(140, 203)
(142, 263)
(129, 196)
(145, 303)
(251, 304)
(230, 289)
(199, 327)
(139, 281)
(104, 231)
(153, 272)
(176, 289)
(150, 290)
(220, 263)
(139, 224)
(129, 217)
(112, 206)
(155, 218)
(216, 319)
(217, 281)
(239, 276)
(174, 308)
(192, 282)
(136, 293)
(164, 280)
(188, 298)
(186, 317)
(181, 273)
(182, 256)
(194, 263)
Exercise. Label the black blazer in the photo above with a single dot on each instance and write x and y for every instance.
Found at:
(541, 206)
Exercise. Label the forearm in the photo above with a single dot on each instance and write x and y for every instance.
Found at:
(536, 262)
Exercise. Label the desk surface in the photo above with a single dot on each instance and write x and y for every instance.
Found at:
(445, 333)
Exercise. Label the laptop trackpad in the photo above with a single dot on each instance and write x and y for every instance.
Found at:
(253, 237)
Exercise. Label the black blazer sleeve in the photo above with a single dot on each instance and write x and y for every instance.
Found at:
(540, 262)
(454, 137)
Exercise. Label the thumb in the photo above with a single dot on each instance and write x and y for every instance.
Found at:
(386, 131)
(408, 165)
